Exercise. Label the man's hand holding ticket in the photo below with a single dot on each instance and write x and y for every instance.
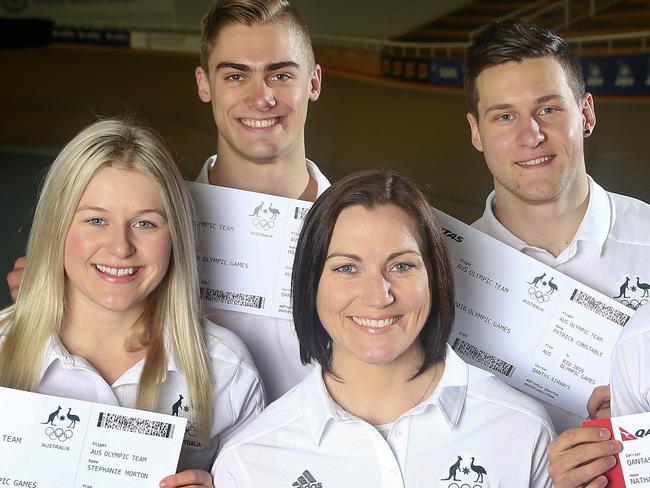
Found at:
(633, 463)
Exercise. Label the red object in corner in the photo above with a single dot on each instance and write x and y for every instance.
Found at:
(615, 474)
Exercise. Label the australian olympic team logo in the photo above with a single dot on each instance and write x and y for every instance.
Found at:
(266, 221)
(542, 288)
(57, 432)
(633, 294)
(184, 407)
(464, 474)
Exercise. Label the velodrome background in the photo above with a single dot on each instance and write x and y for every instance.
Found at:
(48, 94)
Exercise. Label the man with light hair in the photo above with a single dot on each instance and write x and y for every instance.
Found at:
(529, 114)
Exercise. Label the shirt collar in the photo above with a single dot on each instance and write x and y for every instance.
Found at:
(449, 395)
(491, 225)
(594, 227)
(322, 182)
(56, 351)
(319, 408)
(598, 218)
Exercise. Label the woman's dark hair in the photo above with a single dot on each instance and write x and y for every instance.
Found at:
(370, 188)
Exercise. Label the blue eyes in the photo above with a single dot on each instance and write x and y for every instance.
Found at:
(145, 224)
(349, 269)
(402, 267)
(346, 269)
(140, 224)
(511, 117)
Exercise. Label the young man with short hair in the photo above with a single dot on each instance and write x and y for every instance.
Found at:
(259, 74)
(529, 114)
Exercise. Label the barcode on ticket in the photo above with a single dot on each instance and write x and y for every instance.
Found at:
(136, 425)
(232, 298)
(486, 359)
(600, 308)
(299, 213)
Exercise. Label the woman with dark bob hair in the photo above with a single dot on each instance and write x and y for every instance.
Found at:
(388, 403)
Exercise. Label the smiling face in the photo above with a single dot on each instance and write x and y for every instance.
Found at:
(118, 246)
(373, 295)
(531, 130)
(260, 82)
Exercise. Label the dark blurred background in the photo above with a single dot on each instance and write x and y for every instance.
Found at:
(384, 102)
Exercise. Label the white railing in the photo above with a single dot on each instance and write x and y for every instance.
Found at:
(642, 37)
(559, 14)
(562, 13)
(639, 39)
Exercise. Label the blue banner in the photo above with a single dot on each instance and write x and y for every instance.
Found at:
(617, 75)
(604, 75)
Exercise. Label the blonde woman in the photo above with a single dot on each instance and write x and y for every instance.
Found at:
(108, 308)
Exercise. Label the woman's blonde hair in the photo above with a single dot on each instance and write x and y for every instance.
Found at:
(172, 313)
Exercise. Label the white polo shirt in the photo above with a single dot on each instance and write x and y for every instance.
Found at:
(238, 394)
(630, 373)
(272, 341)
(611, 245)
(473, 426)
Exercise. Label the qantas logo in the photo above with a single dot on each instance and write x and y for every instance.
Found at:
(452, 235)
(626, 436)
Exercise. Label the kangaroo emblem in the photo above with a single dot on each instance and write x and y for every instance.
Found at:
(536, 280)
(623, 288)
(256, 212)
(72, 418)
(52, 416)
(644, 286)
(453, 469)
(177, 405)
(552, 286)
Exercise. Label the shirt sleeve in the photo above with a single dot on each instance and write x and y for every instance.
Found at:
(630, 373)
(246, 402)
(226, 475)
(539, 476)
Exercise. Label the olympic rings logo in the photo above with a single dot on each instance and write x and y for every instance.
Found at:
(538, 295)
(464, 485)
(634, 304)
(58, 434)
(190, 429)
(263, 224)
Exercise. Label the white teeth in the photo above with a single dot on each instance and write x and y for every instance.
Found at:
(533, 162)
(116, 271)
(259, 123)
(376, 324)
